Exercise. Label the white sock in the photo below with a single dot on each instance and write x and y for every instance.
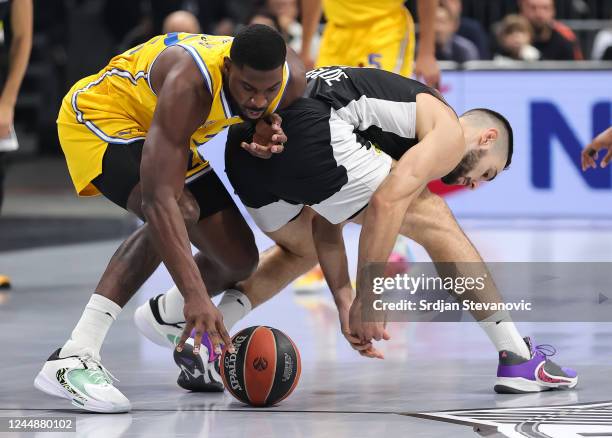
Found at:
(234, 306)
(89, 333)
(503, 333)
(172, 304)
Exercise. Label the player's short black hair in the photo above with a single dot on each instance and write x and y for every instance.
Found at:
(259, 47)
(505, 123)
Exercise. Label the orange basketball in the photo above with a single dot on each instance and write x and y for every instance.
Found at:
(265, 368)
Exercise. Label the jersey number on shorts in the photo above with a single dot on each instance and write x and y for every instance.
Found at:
(374, 60)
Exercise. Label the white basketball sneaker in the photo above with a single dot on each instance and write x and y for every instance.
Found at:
(84, 381)
(150, 324)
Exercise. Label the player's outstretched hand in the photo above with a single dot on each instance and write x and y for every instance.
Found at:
(590, 154)
(268, 139)
(202, 316)
(365, 331)
(365, 349)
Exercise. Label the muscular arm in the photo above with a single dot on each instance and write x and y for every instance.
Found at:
(439, 151)
(19, 54)
(331, 253)
(183, 104)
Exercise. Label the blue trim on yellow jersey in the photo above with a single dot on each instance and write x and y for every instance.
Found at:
(227, 109)
(201, 65)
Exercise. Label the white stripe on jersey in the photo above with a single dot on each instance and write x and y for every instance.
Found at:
(395, 117)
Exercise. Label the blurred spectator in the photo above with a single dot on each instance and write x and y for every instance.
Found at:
(514, 37)
(449, 45)
(552, 39)
(286, 13)
(470, 28)
(216, 17)
(181, 21)
(265, 17)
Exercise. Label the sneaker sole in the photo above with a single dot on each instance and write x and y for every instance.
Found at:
(42, 383)
(519, 385)
(145, 322)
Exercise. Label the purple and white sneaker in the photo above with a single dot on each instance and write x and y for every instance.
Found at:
(199, 372)
(516, 375)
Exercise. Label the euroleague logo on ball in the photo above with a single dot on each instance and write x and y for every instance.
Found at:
(260, 363)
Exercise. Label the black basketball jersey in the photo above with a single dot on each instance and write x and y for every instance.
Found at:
(379, 104)
(5, 8)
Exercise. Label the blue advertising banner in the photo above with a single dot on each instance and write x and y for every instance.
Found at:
(553, 114)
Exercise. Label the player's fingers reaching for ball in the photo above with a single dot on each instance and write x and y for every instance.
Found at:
(215, 340)
(372, 353)
(197, 340)
(184, 336)
(227, 340)
(386, 336)
(356, 343)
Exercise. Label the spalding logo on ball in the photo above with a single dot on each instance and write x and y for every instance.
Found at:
(265, 368)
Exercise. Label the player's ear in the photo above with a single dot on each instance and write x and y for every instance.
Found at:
(227, 65)
(488, 138)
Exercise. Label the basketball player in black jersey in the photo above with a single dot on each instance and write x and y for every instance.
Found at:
(362, 148)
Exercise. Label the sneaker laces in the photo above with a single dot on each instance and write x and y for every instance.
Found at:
(546, 350)
(98, 372)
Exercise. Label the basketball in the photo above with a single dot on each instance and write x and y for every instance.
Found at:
(265, 368)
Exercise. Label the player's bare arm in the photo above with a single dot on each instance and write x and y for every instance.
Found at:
(437, 153)
(183, 105)
(331, 252)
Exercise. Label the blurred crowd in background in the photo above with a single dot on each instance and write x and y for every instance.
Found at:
(74, 38)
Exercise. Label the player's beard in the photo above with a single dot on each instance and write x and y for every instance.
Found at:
(465, 166)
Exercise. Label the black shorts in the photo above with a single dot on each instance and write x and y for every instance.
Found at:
(121, 173)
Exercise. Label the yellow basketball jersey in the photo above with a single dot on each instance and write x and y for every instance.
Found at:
(347, 12)
(117, 104)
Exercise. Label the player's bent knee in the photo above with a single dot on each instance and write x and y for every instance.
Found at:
(241, 265)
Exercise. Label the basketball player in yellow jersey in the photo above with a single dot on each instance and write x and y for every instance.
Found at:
(366, 33)
(131, 132)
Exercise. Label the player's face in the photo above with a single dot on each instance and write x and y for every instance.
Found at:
(253, 90)
(481, 163)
